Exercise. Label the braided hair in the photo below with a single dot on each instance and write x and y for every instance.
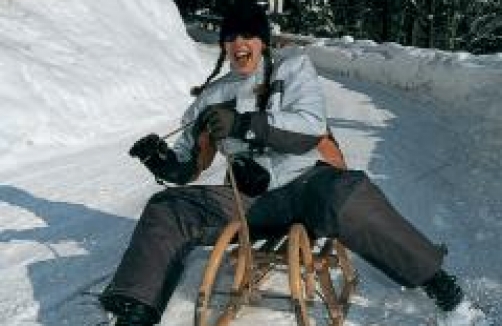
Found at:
(262, 91)
(197, 90)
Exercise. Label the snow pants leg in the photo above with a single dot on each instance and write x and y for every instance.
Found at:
(328, 201)
(370, 226)
(346, 205)
(173, 222)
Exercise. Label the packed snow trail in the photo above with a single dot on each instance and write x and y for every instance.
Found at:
(65, 222)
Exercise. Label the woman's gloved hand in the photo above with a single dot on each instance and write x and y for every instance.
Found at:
(222, 122)
(252, 179)
(148, 146)
(156, 155)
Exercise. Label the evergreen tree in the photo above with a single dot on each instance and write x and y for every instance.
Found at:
(471, 25)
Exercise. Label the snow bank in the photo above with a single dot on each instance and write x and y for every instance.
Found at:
(459, 78)
(73, 71)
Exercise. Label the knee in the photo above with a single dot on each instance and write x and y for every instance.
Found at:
(160, 202)
(157, 210)
(327, 198)
(333, 187)
(162, 196)
(332, 181)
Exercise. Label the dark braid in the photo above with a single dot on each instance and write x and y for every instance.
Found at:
(263, 93)
(197, 90)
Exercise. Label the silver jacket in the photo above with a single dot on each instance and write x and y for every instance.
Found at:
(296, 110)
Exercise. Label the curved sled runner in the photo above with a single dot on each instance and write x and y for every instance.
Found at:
(310, 269)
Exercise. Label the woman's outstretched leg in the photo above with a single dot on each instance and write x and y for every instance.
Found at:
(172, 223)
(347, 205)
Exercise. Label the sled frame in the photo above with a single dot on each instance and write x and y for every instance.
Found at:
(252, 264)
(309, 271)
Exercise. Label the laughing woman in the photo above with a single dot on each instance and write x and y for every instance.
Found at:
(269, 113)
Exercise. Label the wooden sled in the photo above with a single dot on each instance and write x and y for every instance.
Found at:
(251, 264)
(308, 270)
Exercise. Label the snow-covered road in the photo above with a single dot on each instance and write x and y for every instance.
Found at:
(65, 222)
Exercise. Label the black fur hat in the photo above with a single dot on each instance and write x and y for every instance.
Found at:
(245, 17)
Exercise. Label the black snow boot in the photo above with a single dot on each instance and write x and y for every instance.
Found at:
(444, 289)
(130, 312)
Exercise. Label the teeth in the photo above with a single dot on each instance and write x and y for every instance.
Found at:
(241, 54)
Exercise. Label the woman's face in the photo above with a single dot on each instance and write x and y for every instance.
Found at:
(244, 53)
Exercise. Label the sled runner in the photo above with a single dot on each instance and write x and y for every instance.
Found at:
(310, 266)
(251, 264)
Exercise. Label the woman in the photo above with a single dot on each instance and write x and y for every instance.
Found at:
(269, 113)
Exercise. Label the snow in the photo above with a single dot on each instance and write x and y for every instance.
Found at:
(76, 71)
(81, 80)
(452, 78)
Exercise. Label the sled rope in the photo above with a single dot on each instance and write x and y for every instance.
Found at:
(244, 240)
(177, 130)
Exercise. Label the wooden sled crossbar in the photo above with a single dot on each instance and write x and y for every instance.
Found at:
(310, 266)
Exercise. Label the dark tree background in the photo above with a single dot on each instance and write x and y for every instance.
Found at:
(470, 25)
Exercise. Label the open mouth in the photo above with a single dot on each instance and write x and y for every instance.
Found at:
(242, 57)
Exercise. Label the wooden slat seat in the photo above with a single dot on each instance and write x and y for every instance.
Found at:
(309, 264)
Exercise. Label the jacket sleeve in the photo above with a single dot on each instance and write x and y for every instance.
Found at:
(194, 149)
(184, 144)
(296, 118)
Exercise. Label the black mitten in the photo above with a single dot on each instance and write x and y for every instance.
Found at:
(156, 155)
(222, 120)
(148, 146)
(252, 179)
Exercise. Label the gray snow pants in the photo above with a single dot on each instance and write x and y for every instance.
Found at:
(328, 201)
